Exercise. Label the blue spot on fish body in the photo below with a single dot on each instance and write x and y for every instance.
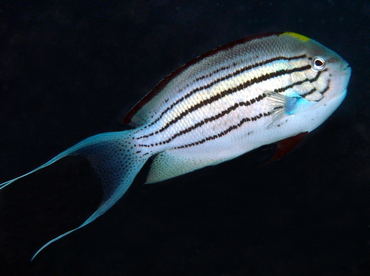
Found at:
(295, 104)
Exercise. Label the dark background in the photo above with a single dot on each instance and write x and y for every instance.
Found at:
(71, 69)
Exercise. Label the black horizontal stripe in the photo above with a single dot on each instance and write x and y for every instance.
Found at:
(326, 88)
(210, 119)
(309, 92)
(223, 133)
(237, 72)
(163, 83)
(236, 105)
(213, 137)
(228, 92)
(282, 89)
(321, 92)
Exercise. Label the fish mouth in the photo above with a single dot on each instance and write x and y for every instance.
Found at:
(346, 69)
(342, 93)
(338, 85)
(346, 74)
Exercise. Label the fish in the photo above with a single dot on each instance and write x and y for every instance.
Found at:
(259, 90)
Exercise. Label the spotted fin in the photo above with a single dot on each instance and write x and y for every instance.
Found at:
(177, 162)
(112, 157)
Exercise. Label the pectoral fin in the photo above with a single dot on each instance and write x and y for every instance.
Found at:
(283, 105)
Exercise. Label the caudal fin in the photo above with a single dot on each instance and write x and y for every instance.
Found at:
(115, 159)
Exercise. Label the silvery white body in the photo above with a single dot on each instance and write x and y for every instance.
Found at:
(225, 103)
(209, 100)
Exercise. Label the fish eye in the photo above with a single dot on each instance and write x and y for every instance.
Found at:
(318, 63)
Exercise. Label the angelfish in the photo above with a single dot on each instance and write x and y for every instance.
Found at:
(231, 100)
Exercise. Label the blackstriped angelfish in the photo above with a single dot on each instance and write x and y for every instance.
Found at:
(229, 101)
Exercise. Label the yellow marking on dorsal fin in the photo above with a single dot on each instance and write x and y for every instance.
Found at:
(299, 36)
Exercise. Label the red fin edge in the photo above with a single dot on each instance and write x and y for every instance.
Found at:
(287, 145)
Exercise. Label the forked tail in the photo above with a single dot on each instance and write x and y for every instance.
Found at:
(115, 159)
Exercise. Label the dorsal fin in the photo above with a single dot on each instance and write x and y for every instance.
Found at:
(148, 106)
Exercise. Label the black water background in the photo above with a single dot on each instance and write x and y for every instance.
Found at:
(69, 70)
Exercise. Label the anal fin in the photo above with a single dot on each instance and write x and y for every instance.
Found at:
(177, 162)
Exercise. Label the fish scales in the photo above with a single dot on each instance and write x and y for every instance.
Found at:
(256, 91)
(221, 94)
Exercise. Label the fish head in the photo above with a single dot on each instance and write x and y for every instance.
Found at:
(330, 73)
(319, 80)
